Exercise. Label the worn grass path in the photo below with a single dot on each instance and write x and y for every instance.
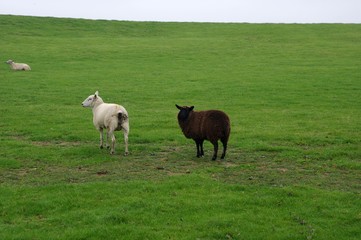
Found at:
(292, 93)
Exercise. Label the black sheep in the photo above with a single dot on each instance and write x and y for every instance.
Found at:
(212, 125)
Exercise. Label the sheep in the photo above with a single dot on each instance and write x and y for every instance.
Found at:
(210, 125)
(18, 66)
(109, 116)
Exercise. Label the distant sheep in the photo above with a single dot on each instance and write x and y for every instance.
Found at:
(18, 66)
(212, 125)
(109, 116)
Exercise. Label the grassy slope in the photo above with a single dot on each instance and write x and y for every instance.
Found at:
(292, 92)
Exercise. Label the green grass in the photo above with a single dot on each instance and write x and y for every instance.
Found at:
(292, 93)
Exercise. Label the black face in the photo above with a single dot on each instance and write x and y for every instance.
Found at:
(184, 112)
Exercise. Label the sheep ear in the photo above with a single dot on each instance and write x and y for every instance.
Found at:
(178, 107)
(96, 94)
(191, 108)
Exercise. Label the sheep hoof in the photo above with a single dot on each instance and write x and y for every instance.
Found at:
(214, 158)
(126, 153)
(111, 152)
(101, 146)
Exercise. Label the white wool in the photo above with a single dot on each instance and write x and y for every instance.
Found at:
(105, 116)
(18, 66)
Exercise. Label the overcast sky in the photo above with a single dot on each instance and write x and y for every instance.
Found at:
(252, 11)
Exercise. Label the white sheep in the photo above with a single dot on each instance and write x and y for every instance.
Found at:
(18, 66)
(110, 116)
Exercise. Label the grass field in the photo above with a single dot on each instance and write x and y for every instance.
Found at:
(293, 94)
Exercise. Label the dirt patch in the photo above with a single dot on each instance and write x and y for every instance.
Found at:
(102, 172)
(24, 139)
(51, 143)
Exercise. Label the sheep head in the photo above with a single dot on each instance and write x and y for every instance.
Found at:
(184, 112)
(91, 100)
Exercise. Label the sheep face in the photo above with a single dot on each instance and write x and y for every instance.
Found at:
(9, 61)
(184, 112)
(89, 101)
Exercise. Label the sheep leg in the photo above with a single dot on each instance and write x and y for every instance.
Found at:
(199, 144)
(111, 134)
(126, 144)
(215, 145)
(101, 138)
(224, 149)
(107, 142)
(198, 151)
(125, 127)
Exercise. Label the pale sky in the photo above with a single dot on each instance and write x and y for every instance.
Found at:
(251, 11)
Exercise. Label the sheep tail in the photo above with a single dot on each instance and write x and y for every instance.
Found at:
(122, 118)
